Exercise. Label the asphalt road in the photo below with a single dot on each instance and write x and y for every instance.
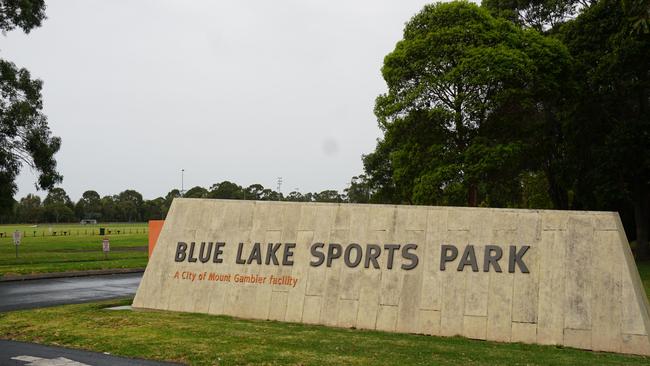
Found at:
(16, 295)
(29, 354)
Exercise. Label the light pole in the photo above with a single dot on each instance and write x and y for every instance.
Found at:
(182, 182)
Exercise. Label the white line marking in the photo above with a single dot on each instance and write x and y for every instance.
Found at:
(38, 361)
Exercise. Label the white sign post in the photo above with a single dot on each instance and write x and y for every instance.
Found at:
(106, 247)
(17, 237)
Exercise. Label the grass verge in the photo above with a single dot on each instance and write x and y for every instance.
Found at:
(200, 339)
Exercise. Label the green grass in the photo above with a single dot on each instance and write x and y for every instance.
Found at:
(41, 250)
(200, 339)
(644, 272)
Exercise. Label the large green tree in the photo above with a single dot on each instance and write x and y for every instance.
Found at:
(226, 190)
(196, 192)
(29, 209)
(25, 138)
(609, 129)
(129, 205)
(458, 85)
(58, 206)
(541, 15)
(89, 206)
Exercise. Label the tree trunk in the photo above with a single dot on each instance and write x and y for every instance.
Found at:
(472, 195)
(641, 220)
(557, 193)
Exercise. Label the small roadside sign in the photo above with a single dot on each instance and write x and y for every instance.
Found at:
(106, 247)
(17, 237)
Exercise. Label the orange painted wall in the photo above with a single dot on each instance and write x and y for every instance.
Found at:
(154, 230)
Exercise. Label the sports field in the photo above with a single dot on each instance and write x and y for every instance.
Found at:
(72, 247)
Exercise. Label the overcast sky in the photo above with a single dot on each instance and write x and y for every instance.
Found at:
(245, 91)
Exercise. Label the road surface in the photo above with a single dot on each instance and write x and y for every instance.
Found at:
(29, 354)
(16, 295)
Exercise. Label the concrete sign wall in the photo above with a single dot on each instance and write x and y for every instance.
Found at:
(548, 277)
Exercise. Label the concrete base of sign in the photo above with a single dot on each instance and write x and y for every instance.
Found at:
(575, 285)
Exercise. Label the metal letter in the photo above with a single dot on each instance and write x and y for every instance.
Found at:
(204, 257)
(316, 253)
(191, 257)
(516, 257)
(239, 259)
(346, 256)
(332, 253)
(288, 253)
(372, 253)
(412, 256)
(256, 254)
(218, 252)
(180, 251)
(270, 253)
(444, 258)
(468, 258)
(488, 258)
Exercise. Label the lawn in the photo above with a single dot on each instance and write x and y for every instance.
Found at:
(200, 339)
(72, 247)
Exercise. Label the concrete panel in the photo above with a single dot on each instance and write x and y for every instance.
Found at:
(525, 296)
(311, 310)
(606, 316)
(577, 314)
(436, 230)
(296, 295)
(500, 293)
(347, 316)
(368, 299)
(551, 289)
(429, 322)
(577, 338)
(453, 287)
(430, 270)
(474, 327)
(524, 332)
(387, 318)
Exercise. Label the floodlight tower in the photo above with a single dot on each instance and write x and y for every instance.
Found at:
(182, 182)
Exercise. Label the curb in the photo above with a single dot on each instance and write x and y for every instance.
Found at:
(95, 272)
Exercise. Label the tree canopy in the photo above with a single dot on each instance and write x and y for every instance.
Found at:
(458, 84)
(25, 138)
(519, 103)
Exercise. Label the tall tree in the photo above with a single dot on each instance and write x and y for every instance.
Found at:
(226, 190)
(109, 208)
(129, 205)
(359, 190)
(25, 138)
(610, 125)
(89, 206)
(458, 84)
(58, 206)
(253, 192)
(154, 209)
(329, 195)
(29, 209)
(196, 192)
(541, 15)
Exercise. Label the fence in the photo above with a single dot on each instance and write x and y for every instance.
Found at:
(77, 232)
